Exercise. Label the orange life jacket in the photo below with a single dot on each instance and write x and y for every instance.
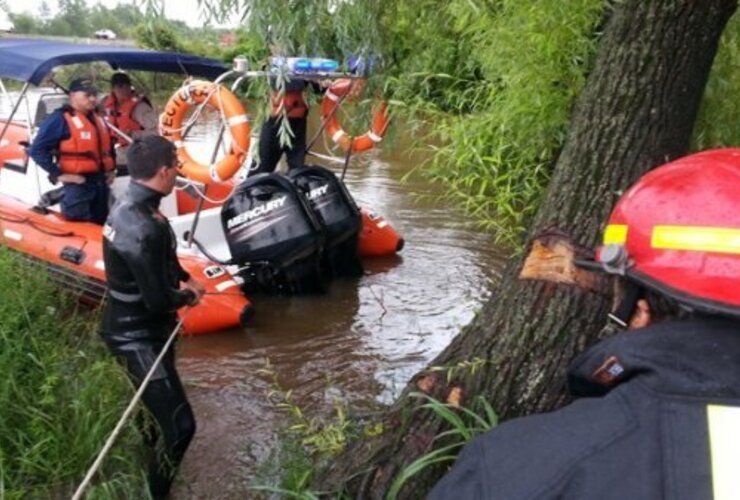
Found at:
(292, 100)
(88, 149)
(119, 114)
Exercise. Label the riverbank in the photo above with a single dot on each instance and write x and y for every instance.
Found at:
(61, 395)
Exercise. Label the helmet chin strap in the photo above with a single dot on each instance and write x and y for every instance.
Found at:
(620, 318)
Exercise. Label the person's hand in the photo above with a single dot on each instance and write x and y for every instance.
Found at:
(197, 288)
(71, 179)
(110, 177)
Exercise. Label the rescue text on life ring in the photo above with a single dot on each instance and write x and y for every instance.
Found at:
(333, 128)
(218, 97)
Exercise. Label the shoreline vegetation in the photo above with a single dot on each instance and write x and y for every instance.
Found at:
(61, 394)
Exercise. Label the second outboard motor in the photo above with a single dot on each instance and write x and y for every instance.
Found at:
(274, 236)
(339, 216)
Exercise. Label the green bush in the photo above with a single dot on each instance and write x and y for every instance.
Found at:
(61, 394)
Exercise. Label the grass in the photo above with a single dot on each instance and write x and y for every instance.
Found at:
(61, 394)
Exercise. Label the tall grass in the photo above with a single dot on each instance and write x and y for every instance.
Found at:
(60, 396)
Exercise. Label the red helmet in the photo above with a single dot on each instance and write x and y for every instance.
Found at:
(677, 231)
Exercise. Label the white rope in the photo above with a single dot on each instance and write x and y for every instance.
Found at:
(202, 194)
(126, 414)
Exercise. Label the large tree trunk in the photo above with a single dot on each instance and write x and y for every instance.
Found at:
(636, 112)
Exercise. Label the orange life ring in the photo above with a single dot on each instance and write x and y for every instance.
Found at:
(333, 128)
(218, 97)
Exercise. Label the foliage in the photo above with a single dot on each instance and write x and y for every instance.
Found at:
(303, 442)
(158, 35)
(464, 423)
(716, 125)
(75, 18)
(490, 81)
(61, 394)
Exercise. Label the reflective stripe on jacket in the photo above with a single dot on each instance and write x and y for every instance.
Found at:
(657, 417)
(87, 150)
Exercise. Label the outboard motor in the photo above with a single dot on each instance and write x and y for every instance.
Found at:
(274, 236)
(338, 214)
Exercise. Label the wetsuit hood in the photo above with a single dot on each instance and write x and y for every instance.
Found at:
(700, 357)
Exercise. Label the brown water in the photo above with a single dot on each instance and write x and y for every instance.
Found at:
(360, 342)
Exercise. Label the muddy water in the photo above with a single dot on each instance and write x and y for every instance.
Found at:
(361, 341)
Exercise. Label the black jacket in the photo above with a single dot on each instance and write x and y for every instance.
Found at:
(640, 430)
(141, 265)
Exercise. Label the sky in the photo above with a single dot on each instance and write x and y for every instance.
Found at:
(183, 10)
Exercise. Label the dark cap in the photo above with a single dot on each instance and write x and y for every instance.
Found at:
(120, 79)
(82, 85)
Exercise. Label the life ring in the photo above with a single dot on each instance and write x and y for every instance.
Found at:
(218, 97)
(334, 129)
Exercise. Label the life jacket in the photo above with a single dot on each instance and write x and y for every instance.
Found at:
(120, 115)
(88, 149)
(292, 100)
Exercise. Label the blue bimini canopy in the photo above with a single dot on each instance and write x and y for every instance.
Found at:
(30, 60)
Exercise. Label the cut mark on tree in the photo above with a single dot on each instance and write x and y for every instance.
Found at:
(551, 258)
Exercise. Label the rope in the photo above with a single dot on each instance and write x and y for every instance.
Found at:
(38, 227)
(127, 413)
(202, 194)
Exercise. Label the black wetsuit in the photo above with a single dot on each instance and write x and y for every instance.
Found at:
(143, 276)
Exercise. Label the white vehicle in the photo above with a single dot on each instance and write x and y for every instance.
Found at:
(105, 34)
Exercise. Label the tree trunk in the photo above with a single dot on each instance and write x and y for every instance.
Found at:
(636, 112)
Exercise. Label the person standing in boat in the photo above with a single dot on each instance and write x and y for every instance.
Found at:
(658, 406)
(128, 112)
(288, 103)
(146, 287)
(74, 146)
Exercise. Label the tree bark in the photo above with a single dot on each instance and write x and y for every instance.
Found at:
(637, 111)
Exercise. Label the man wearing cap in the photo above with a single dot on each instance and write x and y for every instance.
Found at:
(74, 146)
(128, 112)
(657, 408)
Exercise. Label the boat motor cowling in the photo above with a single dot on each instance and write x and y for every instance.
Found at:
(338, 214)
(274, 236)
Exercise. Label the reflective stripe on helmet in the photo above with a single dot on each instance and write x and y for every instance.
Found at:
(724, 442)
(615, 233)
(702, 239)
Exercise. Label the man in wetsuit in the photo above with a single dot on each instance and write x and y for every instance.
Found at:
(147, 286)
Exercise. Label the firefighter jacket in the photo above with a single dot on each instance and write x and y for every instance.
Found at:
(657, 418)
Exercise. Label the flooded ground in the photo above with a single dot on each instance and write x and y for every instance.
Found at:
(361, 341)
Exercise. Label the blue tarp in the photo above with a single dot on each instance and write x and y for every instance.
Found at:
(30, 60)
